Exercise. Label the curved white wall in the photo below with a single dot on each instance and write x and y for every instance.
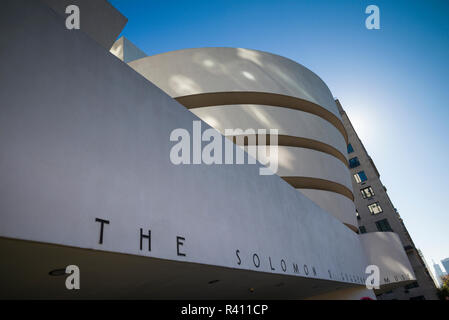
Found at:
(223, 70)
(192, 71)
(385, 250)
(302, 162)
(104, 154)
(290, 122)
(334, 203)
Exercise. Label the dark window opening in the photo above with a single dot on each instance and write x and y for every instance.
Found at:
(354, 162)
(350, 149)
(383, 225)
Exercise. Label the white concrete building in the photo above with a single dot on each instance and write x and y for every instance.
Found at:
(87, 178)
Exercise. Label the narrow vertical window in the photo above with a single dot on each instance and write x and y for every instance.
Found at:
(350, 149)
(383, 225)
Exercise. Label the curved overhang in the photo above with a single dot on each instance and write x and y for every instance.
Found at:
(232, 88)
(319, 184)
(223, 69)
(261, 98)
(313, 131)
(335, 203)
(290, 141)
(304, 162)
(385, 250)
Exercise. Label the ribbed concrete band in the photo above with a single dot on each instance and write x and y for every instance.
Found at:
(261, 98)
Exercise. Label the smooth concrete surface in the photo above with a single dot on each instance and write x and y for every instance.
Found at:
(98, 18)
(194, 71)
(90, 140)
(126, 51)
(307, 163)
(211, 99)
(85, 138)
(303, 162)
(385, 250)
(201, 70)
(289, 122)
(336, 204)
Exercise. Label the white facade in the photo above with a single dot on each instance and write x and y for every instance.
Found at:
(85, 140)
(230, 71)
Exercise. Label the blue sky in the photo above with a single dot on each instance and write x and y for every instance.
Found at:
(393, 82)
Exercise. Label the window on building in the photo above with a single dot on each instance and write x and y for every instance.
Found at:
(360, 176)
(375, 208)
(383, 225)
(354, 162)
(367, 192)
(362, 229)
(350, 149)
